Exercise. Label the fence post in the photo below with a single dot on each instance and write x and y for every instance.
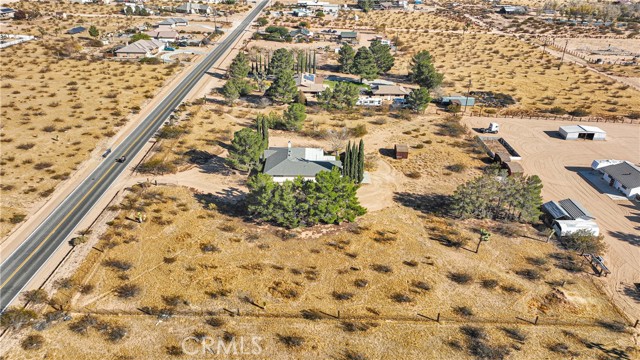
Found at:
(438, 319)
(636, 324)
(535, 322)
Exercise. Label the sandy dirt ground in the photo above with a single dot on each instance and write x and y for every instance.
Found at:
(557, 163)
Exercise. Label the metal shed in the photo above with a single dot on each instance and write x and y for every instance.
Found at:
(575, 132)
(402, 151)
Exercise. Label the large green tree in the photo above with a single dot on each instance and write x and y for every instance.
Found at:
(366, 5)
(281, 61)
(139, 36)
(423, 72)
(294, 117)
(382, 55)
(419, 99)
(283, 88)
(364, 65)
(346, 55)
(330, 199)
(344, 95)
(239, 68)
(246, 148)
(496, 196)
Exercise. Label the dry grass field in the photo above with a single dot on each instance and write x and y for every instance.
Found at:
(61, 109)
(506, 65)
(190, 262)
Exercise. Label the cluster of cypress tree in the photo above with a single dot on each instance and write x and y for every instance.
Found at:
(353, 164)
(305, 62)
(262, 127)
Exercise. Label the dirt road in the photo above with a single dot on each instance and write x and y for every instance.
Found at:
(558, 162)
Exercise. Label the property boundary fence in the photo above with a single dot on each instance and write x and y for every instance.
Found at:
(595, 119)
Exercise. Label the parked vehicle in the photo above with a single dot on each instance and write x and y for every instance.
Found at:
(167, 48)
(492, 129)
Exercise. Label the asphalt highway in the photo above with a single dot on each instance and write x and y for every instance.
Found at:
(24, 263)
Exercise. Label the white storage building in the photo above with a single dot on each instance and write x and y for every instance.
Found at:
(575, 132)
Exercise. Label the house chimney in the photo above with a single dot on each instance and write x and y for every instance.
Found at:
(289, 149)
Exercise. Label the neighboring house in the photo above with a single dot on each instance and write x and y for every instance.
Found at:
(301, 12)
(568, 216)
(173, 22)
(301, 34)
(390, 92)
(61, 15)
(81, 1)
(140, 49)
(348, 36)
(6, 13)
(76, 30)
(513, 10)
(315, 6)
(287, 163)
(192, 8)
(310, 83)
(164, 35)
(622, 175)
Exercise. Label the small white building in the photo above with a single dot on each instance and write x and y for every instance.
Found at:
(622, 175)
(575, 132)
(568, 216)
(368, 101)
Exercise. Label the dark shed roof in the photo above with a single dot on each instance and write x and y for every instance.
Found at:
(76, 30)
(626, 173)
(575, 209)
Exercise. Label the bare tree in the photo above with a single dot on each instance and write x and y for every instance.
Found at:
(337, 139)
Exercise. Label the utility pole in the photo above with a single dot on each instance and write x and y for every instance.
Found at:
(466, 101)
(566, 43)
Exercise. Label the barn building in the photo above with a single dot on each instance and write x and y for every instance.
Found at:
(575, 132)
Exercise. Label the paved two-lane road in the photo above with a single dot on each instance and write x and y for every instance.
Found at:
(25, 262)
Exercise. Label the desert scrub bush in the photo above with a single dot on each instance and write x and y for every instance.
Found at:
(413, 175)
(457, 168)
(537, 261)
(349, 354)
(209, 247)
(171, 132)
(157, 167)
(64, 283)
(473, 332)
(489, 283)
(174, 350)
(25, 146)
(16, 318)
(291, 341)
(126, 291)
(384, 269)
(401, 298)
(359, 130)
(32, 342)
(342, 295)
(515, 334)
(117, 264)
(311, 314)
(42, 165)
(461, 278)
(37, 296)
(579, 112)
(17, 218)
(421, 285)
(82, 325)
(530, 274)
(361, 283)
(614, 326)
(463, 311)
(215, 322)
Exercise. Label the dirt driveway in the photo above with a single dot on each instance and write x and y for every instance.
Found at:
(558, 163)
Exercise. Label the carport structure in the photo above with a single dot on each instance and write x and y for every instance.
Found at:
(575, 132)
